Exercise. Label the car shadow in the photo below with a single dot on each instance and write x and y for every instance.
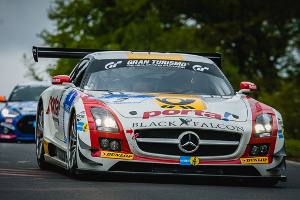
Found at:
(158, 179)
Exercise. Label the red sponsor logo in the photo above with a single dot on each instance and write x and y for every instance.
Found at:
(53, 106)
(201, 113)
(135, 136)
(56, 80)
(4, 136)
(9, 120)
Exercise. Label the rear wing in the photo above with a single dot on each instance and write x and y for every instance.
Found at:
(48, 52)
(215, 57)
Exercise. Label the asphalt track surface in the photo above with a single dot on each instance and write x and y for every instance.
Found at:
(21, 178)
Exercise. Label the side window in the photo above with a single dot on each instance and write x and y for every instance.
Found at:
(80, 73)
(77, 69)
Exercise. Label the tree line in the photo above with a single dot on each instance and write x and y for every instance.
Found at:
(259, 40)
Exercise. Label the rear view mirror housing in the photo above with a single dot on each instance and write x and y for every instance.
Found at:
(247, 87)
(58, 80)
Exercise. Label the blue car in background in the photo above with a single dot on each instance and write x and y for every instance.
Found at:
(17, 117)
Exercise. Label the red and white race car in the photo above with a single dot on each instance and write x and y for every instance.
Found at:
(156, 113)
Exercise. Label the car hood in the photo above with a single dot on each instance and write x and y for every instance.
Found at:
(23, 107)
(142, 105)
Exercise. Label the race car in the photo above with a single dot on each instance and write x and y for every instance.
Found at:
(156, 113)
(17, 117)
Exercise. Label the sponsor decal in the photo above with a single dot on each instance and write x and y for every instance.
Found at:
(108, 154)
(4, 136)
(157, 63)
(227, 115)
(280, 133)
(82, 126)
(67, 104)
(69, 100)
(253, 87)
(200, 113)
(280, 122)
(199, 68)
(129, 131)
(80, 115)
(122, 99)
(185, 121)
(56, 80)
(180, 102)
(135, 136)
(112, 65)
(256, 160)
(188, 160)
(9, 120)
(53, 106)
(191, 124)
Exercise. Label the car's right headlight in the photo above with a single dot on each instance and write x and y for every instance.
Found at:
(263, 126)
(104, 120)
(9, 113)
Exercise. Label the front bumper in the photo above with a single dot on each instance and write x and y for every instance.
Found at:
(281, 178)
(19, 128)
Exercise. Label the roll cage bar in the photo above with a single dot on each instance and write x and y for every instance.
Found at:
(71, 53)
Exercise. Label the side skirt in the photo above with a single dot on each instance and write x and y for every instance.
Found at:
(56, 161)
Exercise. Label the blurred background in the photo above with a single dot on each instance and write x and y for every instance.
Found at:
(259, 40)
(20, 22)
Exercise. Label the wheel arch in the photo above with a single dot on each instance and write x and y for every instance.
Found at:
(72, 111)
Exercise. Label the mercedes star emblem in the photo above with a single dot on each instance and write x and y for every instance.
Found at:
(189, 142)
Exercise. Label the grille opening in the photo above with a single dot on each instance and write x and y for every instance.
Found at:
(184, 169)
(173, 149)
(26, 125)
(174, 133)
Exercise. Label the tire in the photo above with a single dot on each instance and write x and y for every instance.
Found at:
(72, 147)
(39, 138)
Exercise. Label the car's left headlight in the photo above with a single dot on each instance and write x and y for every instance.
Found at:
(263, 126)
(104, 120)
(9, 113)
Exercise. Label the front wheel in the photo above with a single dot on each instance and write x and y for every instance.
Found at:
(39, 138)
(72, 146)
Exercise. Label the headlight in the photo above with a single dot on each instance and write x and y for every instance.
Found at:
(9, 113)
(104, 120)
(263, 126)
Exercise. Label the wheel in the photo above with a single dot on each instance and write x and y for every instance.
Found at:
(39, 138)
(72, 146)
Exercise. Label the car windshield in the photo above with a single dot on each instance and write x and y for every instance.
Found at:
(26, 93)
(161, 77)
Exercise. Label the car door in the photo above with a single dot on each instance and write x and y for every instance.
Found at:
(68, 95)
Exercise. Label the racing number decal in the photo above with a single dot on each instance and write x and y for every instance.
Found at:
(180, 102)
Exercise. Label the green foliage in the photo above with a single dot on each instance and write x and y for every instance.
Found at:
(292, 149)
(32, 70)
(287, 102)
(259, 40)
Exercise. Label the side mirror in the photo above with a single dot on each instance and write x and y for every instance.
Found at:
(2, 99)
(246, 87)
(58, 80)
